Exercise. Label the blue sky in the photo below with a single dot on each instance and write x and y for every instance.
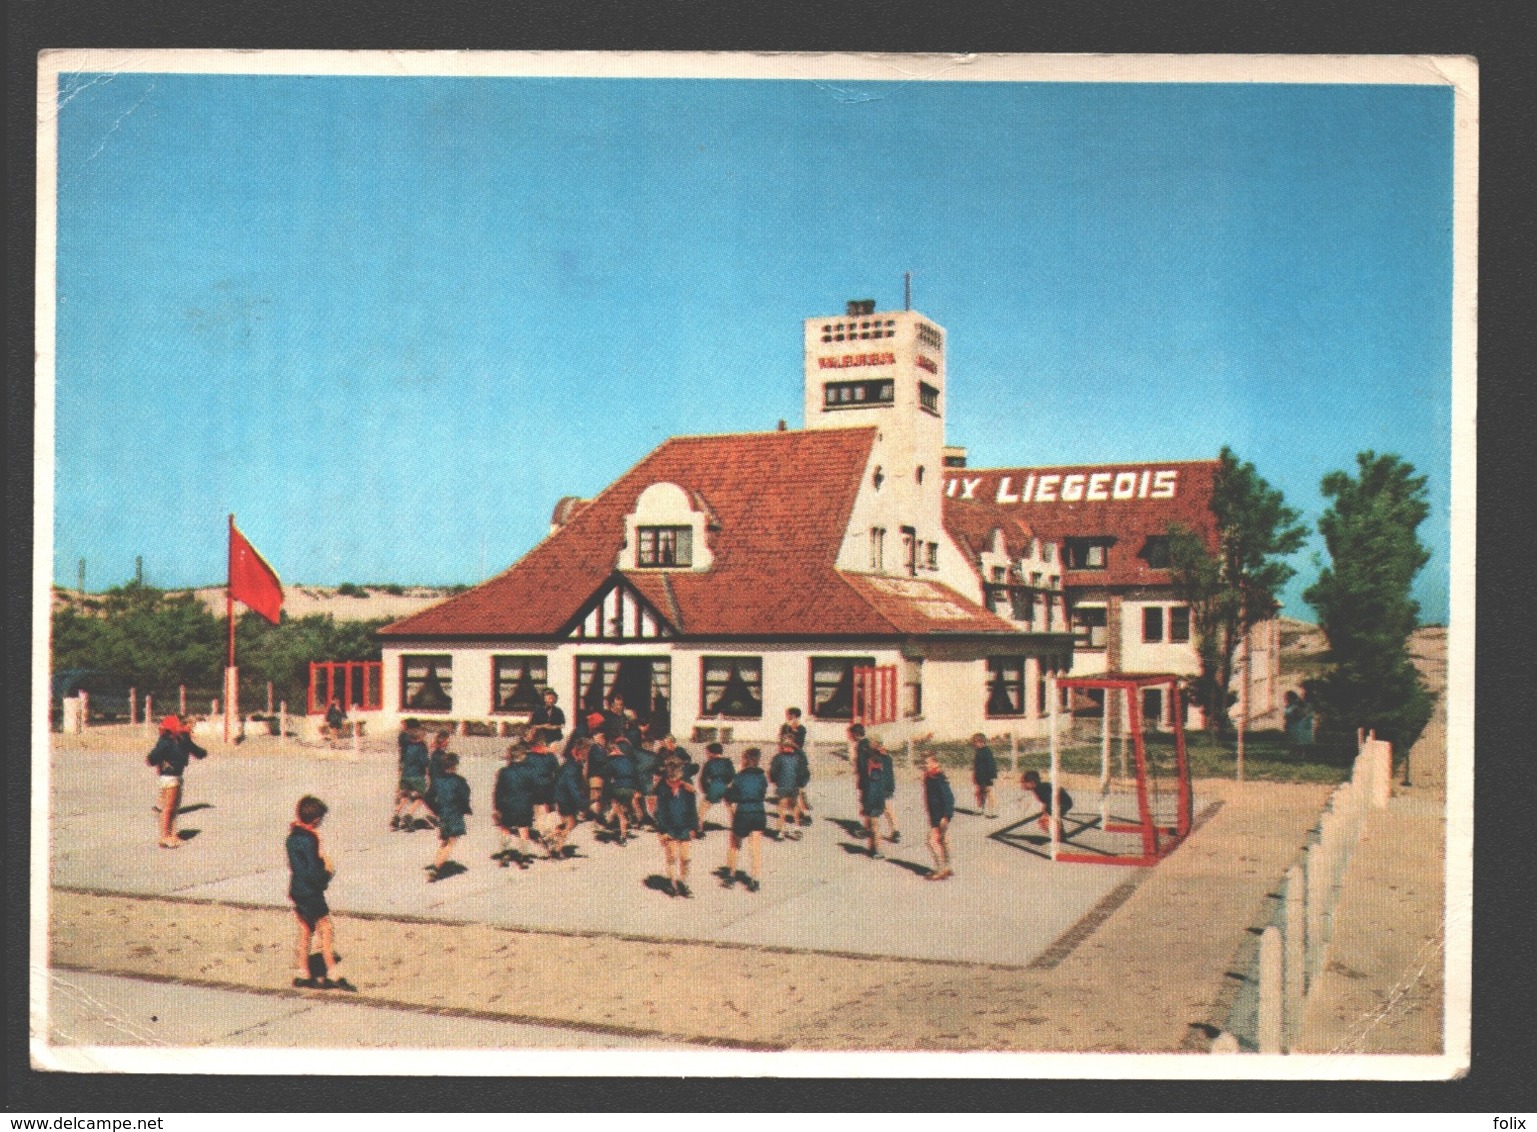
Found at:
(388, 322)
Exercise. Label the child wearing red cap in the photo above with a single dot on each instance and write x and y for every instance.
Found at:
(169, 756)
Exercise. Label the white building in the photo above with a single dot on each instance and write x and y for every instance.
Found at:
(842, 569)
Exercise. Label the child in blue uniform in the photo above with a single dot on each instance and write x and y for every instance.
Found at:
(984, 772)
(1031, 781)
(451, 799)
(746, 796)
(677, 821)
(622, 781)
(714, 777)
(784, 773)
(412, 792)
(870, 774)
(802, 781)
(310, 872)
(546, 767)
(570, 795)
(939, 800)
(512, 806)
(889, 786)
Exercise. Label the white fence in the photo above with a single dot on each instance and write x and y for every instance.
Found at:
(1293, 947)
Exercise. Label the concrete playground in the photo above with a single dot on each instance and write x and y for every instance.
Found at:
(1006, 906)
(837, 952)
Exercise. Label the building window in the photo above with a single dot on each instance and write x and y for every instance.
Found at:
(1089, 626)
(1179, 624)
(1035, 578)
(1155, 552)
(665, 546)
(858, 394)
(928, 398)
(910, 551)
(931, 555)
(519, 682)
(1000, 573)
(929, 336)
(1040, 696)
(832, 685)
(732, 686)
(427, 683)
(1005, 686)
(1152, 706)
(1087, 554)
(1048, 552)
(1152, 624)
(1023, 603)
(877, 548)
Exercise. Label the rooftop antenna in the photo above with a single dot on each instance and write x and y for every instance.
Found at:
(907, 290)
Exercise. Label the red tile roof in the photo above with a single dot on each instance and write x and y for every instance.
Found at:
(998, 495)
(779, 504)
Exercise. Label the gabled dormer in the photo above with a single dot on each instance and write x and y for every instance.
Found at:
(669, 529)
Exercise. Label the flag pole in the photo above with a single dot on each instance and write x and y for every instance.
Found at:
(229, 616)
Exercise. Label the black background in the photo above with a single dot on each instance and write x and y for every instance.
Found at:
(1499, 35)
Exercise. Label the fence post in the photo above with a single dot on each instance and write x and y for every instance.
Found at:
(148, 714)
(269, 697)
(283, 723)
(1293, 974)
(1014, 750)
(1317, 892)
(1270, 990)
(133, 706)
(182, 708)
(85, 709)
(1382, 773)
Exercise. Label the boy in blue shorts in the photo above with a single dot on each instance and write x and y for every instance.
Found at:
(677, 821)
(451, 799)
(622, 781)
(546, 767)
(310, 872)
(714, 777)
(512, 806)
(870, 775)
(569, 795)
(939, 800)
(746, 796)
(784, 773)
(412, 790)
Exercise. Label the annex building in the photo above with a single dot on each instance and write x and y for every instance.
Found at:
(855, 569)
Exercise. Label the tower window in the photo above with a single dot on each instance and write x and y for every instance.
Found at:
(928, 397)
(857, 394)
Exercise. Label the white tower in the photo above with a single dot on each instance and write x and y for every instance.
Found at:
(887, 369)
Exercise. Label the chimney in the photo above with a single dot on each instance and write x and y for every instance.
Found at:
(781, 424)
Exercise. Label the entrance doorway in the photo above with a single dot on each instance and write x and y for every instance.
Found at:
(645, 683)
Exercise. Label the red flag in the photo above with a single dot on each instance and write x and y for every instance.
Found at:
(251, 581)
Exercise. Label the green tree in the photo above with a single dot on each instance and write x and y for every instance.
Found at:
(1364, 604)
(1234, 586)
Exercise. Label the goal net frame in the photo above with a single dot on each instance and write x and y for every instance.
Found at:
(1157, 841)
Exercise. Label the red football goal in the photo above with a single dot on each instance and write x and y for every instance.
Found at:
(1144, 804)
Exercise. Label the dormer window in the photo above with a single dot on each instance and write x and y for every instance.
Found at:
(664, 547)
(667, 530)
(1087, 553)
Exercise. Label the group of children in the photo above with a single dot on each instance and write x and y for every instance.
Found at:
(613, 774)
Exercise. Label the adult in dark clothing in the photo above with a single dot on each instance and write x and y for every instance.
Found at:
(1031, 781)
(677, 822)
(784, 773)
(450, 799)
(746, 796)
(714, 777)
(547, 722)
(984, 772)
(169, 756)
(310, 872)
(939, 801)
(512, 806)
(412, 790)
